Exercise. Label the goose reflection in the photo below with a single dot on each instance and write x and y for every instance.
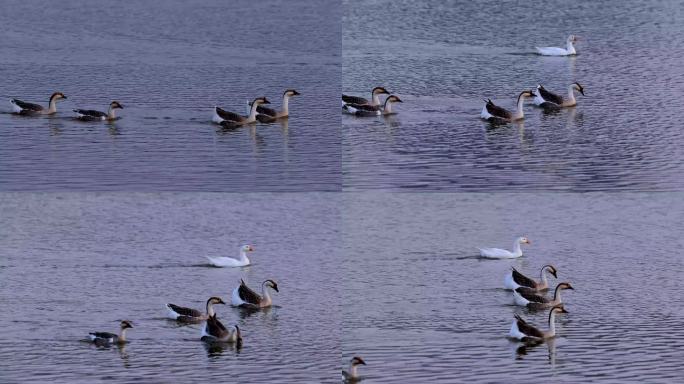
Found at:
(527, 347)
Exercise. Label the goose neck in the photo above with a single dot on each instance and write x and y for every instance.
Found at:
(516, 248)
(111, 115)
(286, 102)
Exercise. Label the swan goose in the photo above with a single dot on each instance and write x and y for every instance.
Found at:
(90, 114)
(22, 107)
(224, 261)
(245, 297)
(497, 253)
(232, 119)
(268, 115)
(352, 374)
(111, 338)
(515, 280)
(189, 315)
(491, 111)
(215, 331)
(543, 98)
(556, 51)
(535, 301)
(375, 97)
(523, 331)
(373, 110)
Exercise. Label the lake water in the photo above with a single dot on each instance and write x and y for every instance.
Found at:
(75, 263)
(421, 306)
(443, 58)
(169, 66)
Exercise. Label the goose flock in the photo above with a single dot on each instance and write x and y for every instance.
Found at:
(212, 329)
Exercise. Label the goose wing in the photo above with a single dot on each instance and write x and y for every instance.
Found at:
(230, 116)
(528, 329)
(532, 297)
(550, 96)
(248, 295)
(354, 100)
(522, 279)
(27, 106)
(215, 328)
(497, 111)
(90, 113)
(266, 111)
(103, 336)
(364, 107)
(185, 311)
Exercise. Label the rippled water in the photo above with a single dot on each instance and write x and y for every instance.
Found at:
(75, 263)
(420, 306)
(444, 57)
(169, 65)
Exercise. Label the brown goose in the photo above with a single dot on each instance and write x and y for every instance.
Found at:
(245, 297)
(90, 114)
(189, 315)
(515, 279)
(351, 375)
(536, 301)
(523, 331)
(268, 115)
(375, 97)
(231, 119)
(111, 338)
(24, 108)
(373, 110)
(490, 111)
(215, 331)
(544, 98)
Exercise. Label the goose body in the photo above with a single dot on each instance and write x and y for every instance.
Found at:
(556, 51)
(374, 101)
(523, 331)
(231, 119)
(90, 114)
(351, 374)
(224, 261)
(268, 115)
(516, 280)
(189, 315)
(24, 108)
(491, 111)
(111, 338)
(373, 110)
(543, 98)
(214, 331)
(498, 253)
(245, 297)
(536, 301)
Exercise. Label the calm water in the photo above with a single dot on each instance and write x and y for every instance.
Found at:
(420, 306)
(443, 58)
(169, 67)
(74, 263)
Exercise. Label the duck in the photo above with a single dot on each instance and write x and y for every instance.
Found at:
(215, 331)
(523, 331)
(231, 119)
(544, 98)
(491, 111)
(569, 49)
(352, 375)
(535, 301)
(373, 110)
(224, 261)
(111, 338)
(497, 253)
(515, 280)
(375, 97)
(89, 114)
(268, 115)
(189, 315)
(245, 297)
(22, 107)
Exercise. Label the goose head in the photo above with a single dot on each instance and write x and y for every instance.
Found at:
(290, 93)
(524, 240)
(578, 87)
(271, 284)
(572, 39)
(379, 91)
(552, 270)
(565, 286)
(215, 300)
(115, 105)
(558, 309)
(247, 248)
(57, 96)
(357, 361)
(260, 100)
(393, 99)
(125, 324)
(527, 93)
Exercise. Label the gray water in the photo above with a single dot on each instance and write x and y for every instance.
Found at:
(421, 306)
(442, 58)
(75, 263)
(169, 63)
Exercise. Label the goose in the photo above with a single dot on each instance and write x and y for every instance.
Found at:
(231, 119)
(189, 315)
(530, 300)
(515, 280)
(22, 107)
(111, 338)
(245, 297)
(351, 374)
(89, 114)
(523, 331)
(268, 115)
(490, 111)
(555, 51)
(375, 97)
(543, 98)
(373, 110)
(224, 261)
(215, 331)
(497, 253)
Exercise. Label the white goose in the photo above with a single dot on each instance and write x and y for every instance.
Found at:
(24, 108)
(224, 261)
(189, 315)
(232, 119)
(497, 253)
(90, 114)
(373, 110)
(245, 297)
(555, 51)
(523, 331)
(352, 375)
(111, 338)
(491, 111)
(515, 279)
(535, 301)
(544, 98)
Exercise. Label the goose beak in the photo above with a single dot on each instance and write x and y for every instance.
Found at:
(582, 91)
